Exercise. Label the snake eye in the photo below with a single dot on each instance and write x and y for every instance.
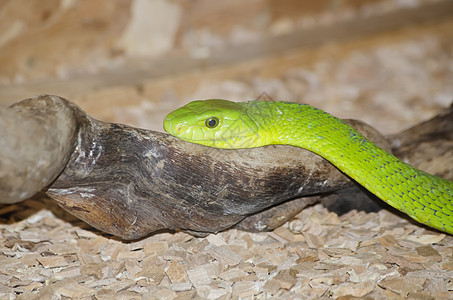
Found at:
(212, 122)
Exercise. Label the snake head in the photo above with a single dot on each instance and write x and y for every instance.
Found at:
(215, 122)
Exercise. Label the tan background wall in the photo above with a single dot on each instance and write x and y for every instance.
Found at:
(132, 61)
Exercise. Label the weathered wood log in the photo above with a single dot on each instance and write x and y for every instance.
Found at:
(131, 182)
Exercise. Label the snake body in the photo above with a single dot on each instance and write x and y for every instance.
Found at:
(232, 125)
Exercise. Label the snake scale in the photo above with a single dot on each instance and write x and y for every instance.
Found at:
(232, 125)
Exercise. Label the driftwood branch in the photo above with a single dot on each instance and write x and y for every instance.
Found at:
(131, 182)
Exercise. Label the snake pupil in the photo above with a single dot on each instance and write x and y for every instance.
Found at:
(212, 122)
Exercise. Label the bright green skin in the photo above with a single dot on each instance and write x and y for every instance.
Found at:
(425, 198)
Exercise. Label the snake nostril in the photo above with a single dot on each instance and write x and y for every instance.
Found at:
(179, 129)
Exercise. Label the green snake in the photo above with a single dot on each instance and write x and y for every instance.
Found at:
(232, 125)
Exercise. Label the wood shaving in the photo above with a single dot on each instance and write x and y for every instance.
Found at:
(50, 254)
